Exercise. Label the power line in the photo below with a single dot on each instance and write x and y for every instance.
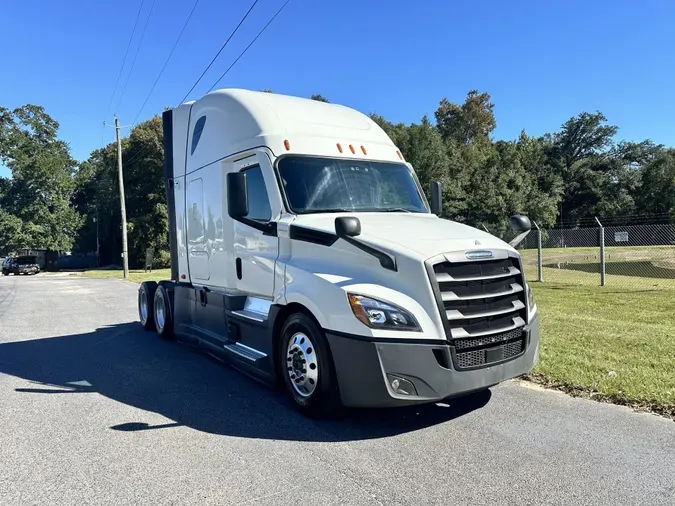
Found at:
(124, 60)
(167, 60)
(247, 47)
(133, 63)
(147, 150)
(220, 50)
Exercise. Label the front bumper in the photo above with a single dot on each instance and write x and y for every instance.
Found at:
(26, 270)
(362, 367)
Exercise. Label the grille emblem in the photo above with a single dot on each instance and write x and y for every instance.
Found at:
(478, 254)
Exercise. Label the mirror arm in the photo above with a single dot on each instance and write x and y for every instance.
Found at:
(518, 239)
(386, 260)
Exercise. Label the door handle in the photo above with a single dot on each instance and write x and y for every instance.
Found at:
(202, 296)
(238, 265)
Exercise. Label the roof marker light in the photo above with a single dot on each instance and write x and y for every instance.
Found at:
(399, 154)
(352, 149)
(364, 150)
(339, 147)
(287, 145)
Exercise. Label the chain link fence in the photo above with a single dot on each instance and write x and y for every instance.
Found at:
(639, 257)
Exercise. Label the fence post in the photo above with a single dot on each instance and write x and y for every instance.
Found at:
(601, 238)
(540, 266)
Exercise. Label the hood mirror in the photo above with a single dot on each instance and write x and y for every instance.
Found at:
(347, 226)
(521, 225)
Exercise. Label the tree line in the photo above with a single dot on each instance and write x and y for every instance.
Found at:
(565, 177)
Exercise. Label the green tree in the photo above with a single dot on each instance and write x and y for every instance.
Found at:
(580, 153)
(656, 195)
(145, 192)
(472, 121)
(547, 187)
(97, 197)
(319, 98)
(40, 190)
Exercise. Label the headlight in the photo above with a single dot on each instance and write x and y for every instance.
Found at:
(531, 306)
(381, 315)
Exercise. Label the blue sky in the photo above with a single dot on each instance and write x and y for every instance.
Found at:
(542, 62)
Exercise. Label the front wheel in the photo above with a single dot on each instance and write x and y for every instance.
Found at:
(307, 367)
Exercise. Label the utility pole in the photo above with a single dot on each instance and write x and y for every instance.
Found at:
(123, 207)
(98, 244)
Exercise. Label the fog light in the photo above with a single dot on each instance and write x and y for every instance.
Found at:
(401, 386)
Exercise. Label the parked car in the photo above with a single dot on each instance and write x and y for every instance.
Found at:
(21, 265)
(5, 264)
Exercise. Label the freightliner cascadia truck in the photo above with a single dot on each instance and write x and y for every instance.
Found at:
(304, 252)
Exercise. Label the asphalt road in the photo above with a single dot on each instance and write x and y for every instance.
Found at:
(95, 411)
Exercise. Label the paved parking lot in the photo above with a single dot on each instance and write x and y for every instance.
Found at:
(96, 411)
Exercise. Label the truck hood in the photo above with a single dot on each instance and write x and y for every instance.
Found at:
(425, 234)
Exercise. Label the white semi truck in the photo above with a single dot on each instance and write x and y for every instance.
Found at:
(304, 252)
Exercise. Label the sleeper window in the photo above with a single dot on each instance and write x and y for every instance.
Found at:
(197, 133)
(258, 202)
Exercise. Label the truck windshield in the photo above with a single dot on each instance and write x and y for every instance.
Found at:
(324, 185)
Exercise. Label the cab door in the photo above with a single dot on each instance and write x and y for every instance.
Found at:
(198, 256)
(256, 246)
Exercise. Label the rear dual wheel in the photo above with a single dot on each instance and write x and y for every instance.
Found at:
(146, 304)
(163, 313)
(154, 309)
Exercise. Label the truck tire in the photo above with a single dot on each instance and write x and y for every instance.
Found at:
(306, 366)
(146, 306)
(163, 314)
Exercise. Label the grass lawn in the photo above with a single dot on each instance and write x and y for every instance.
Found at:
(633, 267)
(137, 276)
(608, 343)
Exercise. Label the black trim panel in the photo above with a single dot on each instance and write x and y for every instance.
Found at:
(230, 302)
(386, 260)
(299, 233)
(269, 228)
(167, 129)
(390, 340)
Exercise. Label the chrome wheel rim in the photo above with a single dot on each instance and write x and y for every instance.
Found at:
(302, 365)
(160, 312)
(144, 307)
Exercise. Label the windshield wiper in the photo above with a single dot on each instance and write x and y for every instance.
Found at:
(333, 210)
(396, 210)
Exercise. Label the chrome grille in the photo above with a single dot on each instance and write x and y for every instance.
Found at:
(485, 306)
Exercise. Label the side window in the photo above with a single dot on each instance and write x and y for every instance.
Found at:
(197, 133)
(258, 202)
(195, 213)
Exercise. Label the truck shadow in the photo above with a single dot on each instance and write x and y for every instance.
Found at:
(129, 365)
